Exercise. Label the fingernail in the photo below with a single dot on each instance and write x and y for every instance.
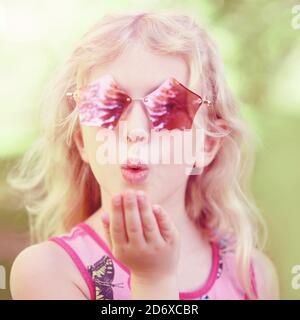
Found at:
(156, 208)
(117, 199)
(105, 218)
(141, 195)
(129, 196)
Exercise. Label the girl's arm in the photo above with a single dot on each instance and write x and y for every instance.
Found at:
(267, 282)
(41, 272)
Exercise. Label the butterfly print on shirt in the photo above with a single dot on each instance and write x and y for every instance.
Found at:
(102, 273)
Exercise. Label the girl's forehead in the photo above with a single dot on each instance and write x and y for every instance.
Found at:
(140, 76)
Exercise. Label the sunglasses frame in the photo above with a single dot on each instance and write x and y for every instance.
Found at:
(75, 95)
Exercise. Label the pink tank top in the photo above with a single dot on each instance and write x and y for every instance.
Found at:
(108, 279)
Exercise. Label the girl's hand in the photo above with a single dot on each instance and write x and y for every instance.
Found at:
(142, 237)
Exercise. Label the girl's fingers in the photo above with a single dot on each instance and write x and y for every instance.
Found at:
(117, 225)
(150, 227)
(132, 218)
(166, 226)
(106, 227)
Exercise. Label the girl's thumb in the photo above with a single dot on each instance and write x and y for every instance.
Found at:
(105, 223)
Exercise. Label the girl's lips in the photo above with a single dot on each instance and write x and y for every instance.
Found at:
(135, 173)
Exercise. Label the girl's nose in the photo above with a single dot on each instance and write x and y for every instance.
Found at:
(136, 135)
(137, 122)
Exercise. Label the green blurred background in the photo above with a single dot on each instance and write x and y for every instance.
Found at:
(260, 46)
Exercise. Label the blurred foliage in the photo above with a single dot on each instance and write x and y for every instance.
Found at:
(261, 53)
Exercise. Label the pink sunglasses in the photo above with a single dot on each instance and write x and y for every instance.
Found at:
(170, 106)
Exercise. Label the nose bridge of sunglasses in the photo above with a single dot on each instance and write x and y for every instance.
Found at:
(136, 114)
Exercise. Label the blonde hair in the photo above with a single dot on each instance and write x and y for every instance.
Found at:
(60, 189)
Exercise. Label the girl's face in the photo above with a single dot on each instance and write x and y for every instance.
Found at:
(138, 72)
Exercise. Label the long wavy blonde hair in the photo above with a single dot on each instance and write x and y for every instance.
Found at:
(59, 188)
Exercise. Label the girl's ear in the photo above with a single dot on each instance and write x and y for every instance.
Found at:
(79, 141)
(213, 144)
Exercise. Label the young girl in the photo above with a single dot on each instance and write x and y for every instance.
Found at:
(132, 228)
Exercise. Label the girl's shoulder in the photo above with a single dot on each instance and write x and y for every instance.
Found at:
(44, 271)
(264, 273)
(266, 276)
(104, 275)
